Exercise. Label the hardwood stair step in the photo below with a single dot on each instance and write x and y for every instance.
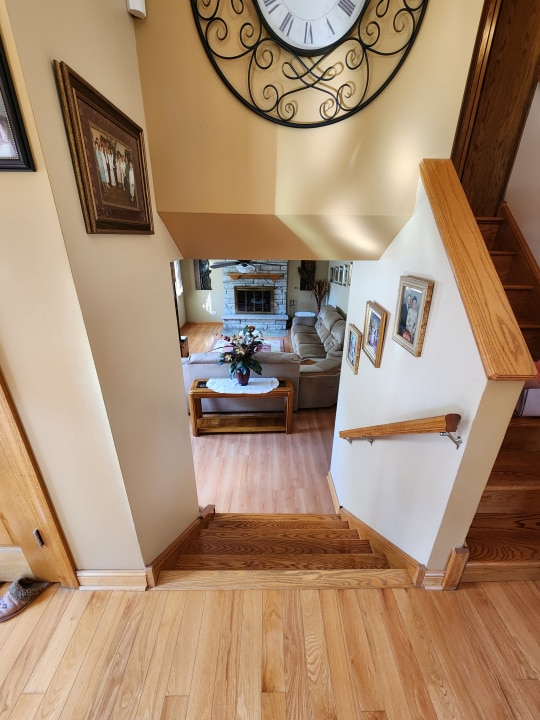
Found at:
(278, 546)
(277, 517)
(506, 500)
(506, 521)
(500, 571)
(270, 534)
(489, 227)
(272, 524)
(328, 561)
(503, 546)
(502, 260)
(282, 579)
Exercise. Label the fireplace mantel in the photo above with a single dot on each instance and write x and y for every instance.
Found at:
(256, 276)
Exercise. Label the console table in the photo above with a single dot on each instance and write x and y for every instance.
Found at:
(204, 423)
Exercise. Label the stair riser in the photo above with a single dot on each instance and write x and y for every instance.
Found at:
(503, 521)
(298, 562)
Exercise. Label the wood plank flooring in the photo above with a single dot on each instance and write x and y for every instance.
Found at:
(392, 654)
(268, 472)
(274, 654)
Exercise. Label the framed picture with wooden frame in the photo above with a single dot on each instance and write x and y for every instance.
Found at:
(354, 343)
(109, 159)
(412, 310)
(14, 147)
(374, 328)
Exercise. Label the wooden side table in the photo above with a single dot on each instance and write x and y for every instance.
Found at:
(233, 422)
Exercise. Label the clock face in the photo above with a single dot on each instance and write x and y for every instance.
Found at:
(310, 26)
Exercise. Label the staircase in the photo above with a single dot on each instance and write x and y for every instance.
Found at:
(504, 537)
(241, 551)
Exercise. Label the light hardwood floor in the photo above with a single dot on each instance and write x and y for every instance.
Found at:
(392, 654)
(387, 654)
(264, 472)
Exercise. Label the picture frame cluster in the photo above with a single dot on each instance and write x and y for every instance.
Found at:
(409, 328)
(341, 274)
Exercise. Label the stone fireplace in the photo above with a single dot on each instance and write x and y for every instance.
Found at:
(258, 298)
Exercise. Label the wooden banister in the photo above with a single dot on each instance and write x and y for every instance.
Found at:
(501, 345)
(438, 424)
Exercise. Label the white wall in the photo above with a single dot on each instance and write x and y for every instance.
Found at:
(89, 339)
(405, 487)
(338, 295)
(524, 185)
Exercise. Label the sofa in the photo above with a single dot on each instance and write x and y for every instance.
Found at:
(319, 341)
(274, 364)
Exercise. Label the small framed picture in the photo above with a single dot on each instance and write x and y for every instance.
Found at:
(109, 158)
(14, 147)
(354, 343)
(374, 327)
(414, 299)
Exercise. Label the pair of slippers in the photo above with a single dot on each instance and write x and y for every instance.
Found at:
(19, 595)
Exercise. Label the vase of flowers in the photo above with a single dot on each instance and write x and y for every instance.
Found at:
(240, 354)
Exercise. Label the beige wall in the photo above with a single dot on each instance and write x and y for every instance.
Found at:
(418, 491)
(342, 191)
(90, 341)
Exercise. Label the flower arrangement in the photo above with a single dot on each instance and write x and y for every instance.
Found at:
(241, 352)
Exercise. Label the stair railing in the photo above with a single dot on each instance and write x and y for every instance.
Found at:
(445, 425)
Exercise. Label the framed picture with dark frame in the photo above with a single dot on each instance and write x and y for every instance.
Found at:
(14, 147)
(412, 310)
(354, 343)
(374, 328)
(109, 159)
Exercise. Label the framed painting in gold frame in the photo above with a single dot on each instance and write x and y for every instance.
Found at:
(354, 343)
(412, 310)
(374, 328)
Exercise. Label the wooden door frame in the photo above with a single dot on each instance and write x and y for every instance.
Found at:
(26, 505)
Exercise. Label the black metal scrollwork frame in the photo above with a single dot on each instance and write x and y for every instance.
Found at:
(307, 91)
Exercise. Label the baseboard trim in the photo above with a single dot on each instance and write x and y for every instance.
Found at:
(166, 559)
(133, 580)
(333, 492)
(397, 558)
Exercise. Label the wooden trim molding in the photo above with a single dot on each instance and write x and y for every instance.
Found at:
(397, 558)
(132, 580)
(333, 493)
(167, 558)
(503, 351)
(423, 578)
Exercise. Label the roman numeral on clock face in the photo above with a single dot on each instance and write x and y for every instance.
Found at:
(308, 34)
(347, 6)
(287, 23)
(272, 4)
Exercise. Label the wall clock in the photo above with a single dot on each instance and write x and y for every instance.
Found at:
(307, 63)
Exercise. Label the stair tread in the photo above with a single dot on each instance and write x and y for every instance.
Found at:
(286, 562)
(276, 517)
(502, 545)
(272, 524)
(279, 546)
(506, 521)
(272, 533)
(281, 579)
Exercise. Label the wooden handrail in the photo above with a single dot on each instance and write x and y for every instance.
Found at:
(501, 345)
(438, 424)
